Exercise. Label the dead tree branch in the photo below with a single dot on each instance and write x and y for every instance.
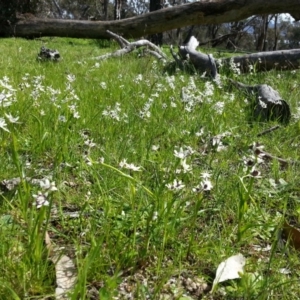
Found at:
(128, 47)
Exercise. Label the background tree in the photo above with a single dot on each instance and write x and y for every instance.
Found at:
(156, 38)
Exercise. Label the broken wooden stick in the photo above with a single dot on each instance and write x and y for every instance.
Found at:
(269, 130)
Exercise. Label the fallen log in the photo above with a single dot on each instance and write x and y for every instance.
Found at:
(268, 104)
(199, 12)
(281, 60)
(188, 58)
(266, 61)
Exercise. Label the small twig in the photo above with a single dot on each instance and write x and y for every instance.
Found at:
(269, 130)
(120, 40)
(279, 159)
(155, 54)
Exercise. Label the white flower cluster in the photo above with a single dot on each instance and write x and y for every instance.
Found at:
(145, 113)
(7, 98)
(115, 113)
(41, 198)
(7, 95)
(183, 152)
(125, 165)
(205, 184)
(71, 96)
(190, 95)
(235, 67)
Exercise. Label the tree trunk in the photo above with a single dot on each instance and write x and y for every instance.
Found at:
(276, 34)
(105, 9)
(200, 12)
(262, 34)
(117, 9)
(156, 38)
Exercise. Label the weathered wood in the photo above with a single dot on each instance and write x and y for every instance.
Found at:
(203, 63)
(199, 12)
(127, 47)
(265, 61)
(268, 104)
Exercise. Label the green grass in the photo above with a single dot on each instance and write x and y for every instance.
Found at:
(134, 234)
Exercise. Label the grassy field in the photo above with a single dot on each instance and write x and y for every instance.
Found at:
(144, 190)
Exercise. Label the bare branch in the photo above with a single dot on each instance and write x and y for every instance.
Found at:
(128, 47)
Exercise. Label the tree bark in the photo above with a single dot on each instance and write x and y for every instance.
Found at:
(262, 33)
(276, 33)
(200, 12)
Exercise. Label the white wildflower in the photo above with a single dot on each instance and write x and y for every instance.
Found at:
(200, 132)
(62, 119)
(103, 85)
(12, 119)
(89, 143)
(3, 124)
(123, 164)
(205, 175)
(133, 167)
(138, 78)
(204, 186)
(87, 160)
(183, 153)
(173, 104)
(186, 168)
(71, 77)
(219, 107)
(76, 115)
(7, 86)
(208, 89)
(45, 184)
(176, 185)
(154, 147)
(41, 199)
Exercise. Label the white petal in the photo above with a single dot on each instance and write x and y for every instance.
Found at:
(230, 268)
